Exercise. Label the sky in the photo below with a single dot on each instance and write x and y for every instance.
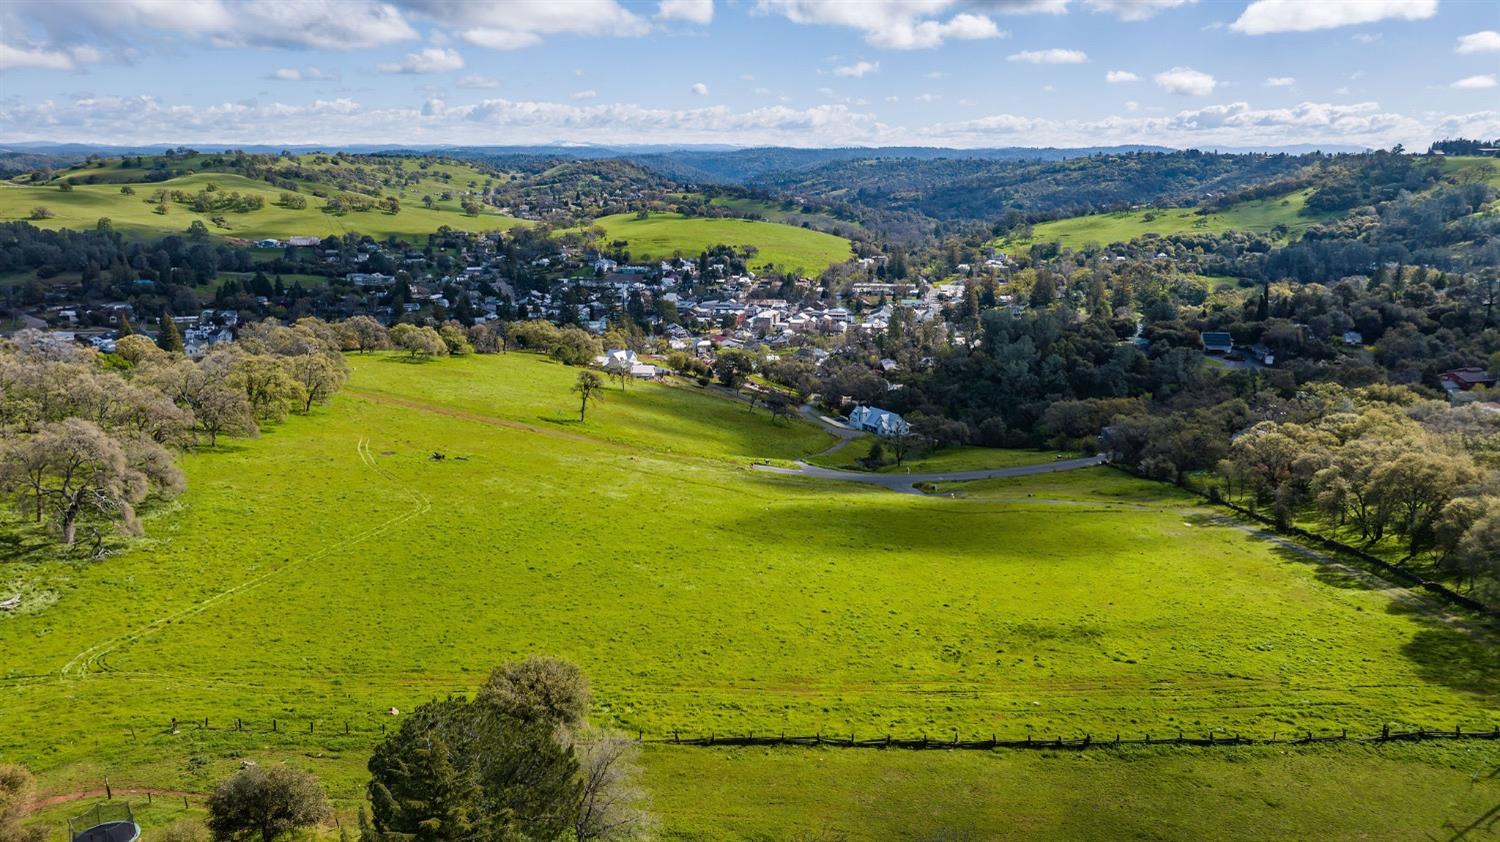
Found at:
(962, 73)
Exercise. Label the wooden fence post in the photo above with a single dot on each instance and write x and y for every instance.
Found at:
(109, 793)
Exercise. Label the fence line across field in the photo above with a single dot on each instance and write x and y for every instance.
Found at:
(923, 741)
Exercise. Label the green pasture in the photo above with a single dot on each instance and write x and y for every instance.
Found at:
(850, 456)
(335, 568)
(784, 213)
(1466, 168)
(663, 235)
(1258, 216)
(82, 207)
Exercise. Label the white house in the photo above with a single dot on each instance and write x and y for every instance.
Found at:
(881, 422)
(620, 358)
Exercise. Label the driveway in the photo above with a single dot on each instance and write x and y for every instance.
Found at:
(905, 483)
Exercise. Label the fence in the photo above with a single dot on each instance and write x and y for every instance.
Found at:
(1385, 568)
(1386, 735)
(923, 741)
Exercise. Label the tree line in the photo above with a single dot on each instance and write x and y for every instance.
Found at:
(87, 437)
(519, 761)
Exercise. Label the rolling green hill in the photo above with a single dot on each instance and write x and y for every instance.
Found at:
(663, 235)
(1260, 216)
(82, 206)
(331, 570)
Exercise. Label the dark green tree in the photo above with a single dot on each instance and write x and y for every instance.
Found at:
(265, 804)
(459, 770)
(169, 338)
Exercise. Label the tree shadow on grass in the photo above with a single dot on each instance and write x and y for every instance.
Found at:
(1452, 648)
(405, 359)
(1455, 658)
(1328, 568)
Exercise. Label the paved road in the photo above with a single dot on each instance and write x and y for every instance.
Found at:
(905, 482)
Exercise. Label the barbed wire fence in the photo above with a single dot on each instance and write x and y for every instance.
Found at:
(923, 741)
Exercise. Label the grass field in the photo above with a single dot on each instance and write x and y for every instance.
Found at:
(784, 213)
(82, 207)
(663, 235)
(332, 569)
(949, 459)
(1258, 216)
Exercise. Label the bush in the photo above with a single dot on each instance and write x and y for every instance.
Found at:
(538, 689)
(265, 803)
(16, 789)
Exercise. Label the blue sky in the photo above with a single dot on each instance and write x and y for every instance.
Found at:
(749, 72)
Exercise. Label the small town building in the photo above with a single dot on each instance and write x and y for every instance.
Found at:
(881, 422)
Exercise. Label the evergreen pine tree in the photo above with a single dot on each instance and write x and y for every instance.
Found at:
(126, 328)
(170, 338)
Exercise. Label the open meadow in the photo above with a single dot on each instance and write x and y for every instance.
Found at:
(82, 207)
(334, 569)
(1259, 216)
(663, 235)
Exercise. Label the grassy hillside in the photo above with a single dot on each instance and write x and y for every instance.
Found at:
(332, 569)
(86, 203)
(1461, 168)
(786, 213)
(663, 235)
(1259, 216)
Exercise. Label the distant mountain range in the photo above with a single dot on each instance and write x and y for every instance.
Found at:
(637, 150)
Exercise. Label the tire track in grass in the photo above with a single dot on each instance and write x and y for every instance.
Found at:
(92, 658)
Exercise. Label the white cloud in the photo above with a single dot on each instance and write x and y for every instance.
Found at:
(1487, 41)
(761, 92)
(44, 58)
(1233, 124)
(1280, 81)
(318, 24)
(1474, 83)
(692, 11)
(1053, 56)
(928, 97)
(934, 74)
(893, 24)
(1132, 105)
(1134, 10)
(700, 89)
(430, 60)
(303, 74)
(516, 24)
(589, 94)
(856, 70)
(1023, 7)
(150, 120)
(1266, 16)
(1186, 81)
(1115, 77)
(476, 80)
(1366, 37)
